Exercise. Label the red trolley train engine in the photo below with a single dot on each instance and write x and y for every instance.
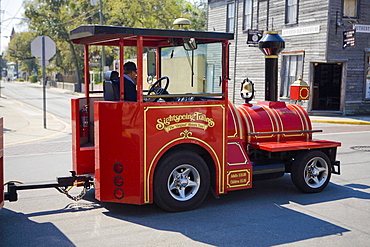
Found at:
(183, 137)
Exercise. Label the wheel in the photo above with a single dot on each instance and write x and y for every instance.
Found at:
(311, 171)
(181, 181)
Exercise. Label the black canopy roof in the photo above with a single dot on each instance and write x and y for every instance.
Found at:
(111, 35)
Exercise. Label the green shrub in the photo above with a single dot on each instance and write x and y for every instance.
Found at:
(33, 78)
(20, 79)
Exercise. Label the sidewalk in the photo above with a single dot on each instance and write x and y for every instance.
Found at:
(24, 123)
(356, 120)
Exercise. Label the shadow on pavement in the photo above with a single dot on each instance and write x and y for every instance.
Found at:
(16, 229)
(255, 217)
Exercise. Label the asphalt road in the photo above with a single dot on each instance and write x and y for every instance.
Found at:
(271, 213)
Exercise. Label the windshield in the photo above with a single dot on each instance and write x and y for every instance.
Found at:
(195, 71)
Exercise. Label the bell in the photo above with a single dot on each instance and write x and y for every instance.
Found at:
(247, 90)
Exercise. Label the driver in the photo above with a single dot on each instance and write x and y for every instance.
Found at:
(130, 74)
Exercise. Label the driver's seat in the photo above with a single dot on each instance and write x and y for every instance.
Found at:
(111, 86)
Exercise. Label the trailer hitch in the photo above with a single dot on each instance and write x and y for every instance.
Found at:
(63, 185)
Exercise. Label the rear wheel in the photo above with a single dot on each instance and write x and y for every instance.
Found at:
(181, 181)
(311, 171)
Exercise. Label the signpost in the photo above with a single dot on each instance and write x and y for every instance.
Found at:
(349, 38)
(43, 48)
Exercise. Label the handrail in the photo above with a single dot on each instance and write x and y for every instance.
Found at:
(283, 132)
(185, 95)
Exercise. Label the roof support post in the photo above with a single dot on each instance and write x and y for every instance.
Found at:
(86, 71)
(121, 68)
(139, 79)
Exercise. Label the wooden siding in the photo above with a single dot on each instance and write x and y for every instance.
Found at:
(324, 46)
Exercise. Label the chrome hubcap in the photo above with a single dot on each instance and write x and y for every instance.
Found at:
(316, 172)
(183, 182)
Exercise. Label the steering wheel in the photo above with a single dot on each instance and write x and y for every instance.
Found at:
(157, 90)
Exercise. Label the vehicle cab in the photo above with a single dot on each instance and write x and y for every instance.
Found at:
(180, 112)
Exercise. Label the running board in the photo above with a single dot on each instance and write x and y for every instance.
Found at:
(269, 168)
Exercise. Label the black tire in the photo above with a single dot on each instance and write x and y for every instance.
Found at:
(311, 171)
(181, 181)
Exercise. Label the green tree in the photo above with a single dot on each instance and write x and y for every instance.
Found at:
(197, 14)
(55, 18)
(19, 49)
(153, 13)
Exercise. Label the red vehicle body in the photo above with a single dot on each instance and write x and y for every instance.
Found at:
(173, 148)
(171, 152)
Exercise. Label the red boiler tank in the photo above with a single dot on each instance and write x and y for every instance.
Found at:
(275, 121)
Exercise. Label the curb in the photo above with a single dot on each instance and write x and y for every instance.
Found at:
(354, 122)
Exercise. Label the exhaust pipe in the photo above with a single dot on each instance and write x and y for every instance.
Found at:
(271, 45)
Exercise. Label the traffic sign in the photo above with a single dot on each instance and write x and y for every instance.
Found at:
(43, 48)
(36, 47)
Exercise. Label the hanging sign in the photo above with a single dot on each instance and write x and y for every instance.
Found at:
(349, 38)
(254, 36)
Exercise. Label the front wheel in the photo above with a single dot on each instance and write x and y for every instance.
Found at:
(181, 181)
(311, 171)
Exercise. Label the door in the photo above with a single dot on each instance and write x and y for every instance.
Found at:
(327, 86)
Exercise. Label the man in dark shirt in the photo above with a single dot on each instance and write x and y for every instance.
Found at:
(130, 74)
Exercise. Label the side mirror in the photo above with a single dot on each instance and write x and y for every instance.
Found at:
(151, 62)
(190, 44)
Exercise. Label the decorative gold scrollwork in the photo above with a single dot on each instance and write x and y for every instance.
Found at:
(186, 134)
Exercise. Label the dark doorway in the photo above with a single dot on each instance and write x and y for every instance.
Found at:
(326, 86)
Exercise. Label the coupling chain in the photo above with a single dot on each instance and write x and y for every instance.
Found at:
(74, 198)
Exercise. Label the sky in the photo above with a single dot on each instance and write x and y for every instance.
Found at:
(11, 11)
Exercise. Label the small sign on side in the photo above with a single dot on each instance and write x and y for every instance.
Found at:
(254, 36)
(349, 39)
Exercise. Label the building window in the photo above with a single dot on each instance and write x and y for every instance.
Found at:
(293, 68)
(247, 16)
(367, 82)
(291, 12)
(230, 17)
(350, 8)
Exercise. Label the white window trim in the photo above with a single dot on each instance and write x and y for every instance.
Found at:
(284, 70)
(230, 28)
(250, 14)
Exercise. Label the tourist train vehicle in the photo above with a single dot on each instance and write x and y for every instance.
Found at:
(183, 137)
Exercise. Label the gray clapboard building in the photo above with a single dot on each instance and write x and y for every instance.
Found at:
(326, 41)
